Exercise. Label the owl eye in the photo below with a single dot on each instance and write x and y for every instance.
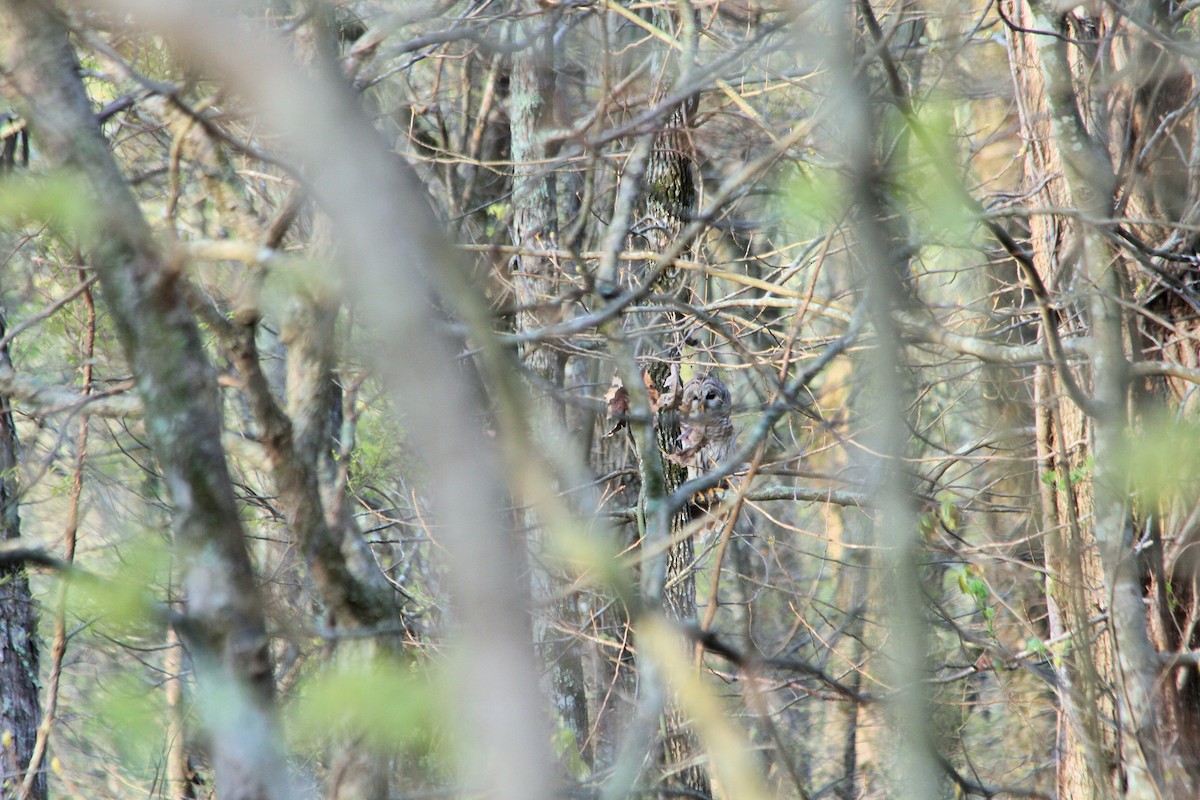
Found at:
(712, 395)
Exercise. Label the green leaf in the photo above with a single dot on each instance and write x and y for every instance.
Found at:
(813, 196)
(948, 513)
(124, 603)
(386, 704)
(566, 745)
(1161, 460)
(61, 200)
(124, 703)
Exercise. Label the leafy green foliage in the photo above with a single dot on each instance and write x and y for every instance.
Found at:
(128, 601)
(124, 703)
(566, 747)
(1161, 460)
(812, 198)
(971, 583)
(388, 704)
(1075, 476)
(938, 211)
(61, 201)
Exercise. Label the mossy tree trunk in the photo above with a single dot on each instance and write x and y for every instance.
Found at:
(538, 281)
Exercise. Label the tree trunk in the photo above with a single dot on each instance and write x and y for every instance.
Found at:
(668, 203)
(359, 770)
(1111, 739)
(20, 710)
(1085, 757)
(532, 96)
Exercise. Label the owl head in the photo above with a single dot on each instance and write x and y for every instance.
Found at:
(705, 396)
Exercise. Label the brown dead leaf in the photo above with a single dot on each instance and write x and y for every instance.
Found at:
(617, 400)
(651, 389)
(671, 393)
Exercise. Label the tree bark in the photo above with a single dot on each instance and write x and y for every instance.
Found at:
(668, 203)
(537, 279)
(1111, 737)
(20, 708)
(1085, 760)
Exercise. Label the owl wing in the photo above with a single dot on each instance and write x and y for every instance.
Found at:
(719, 443)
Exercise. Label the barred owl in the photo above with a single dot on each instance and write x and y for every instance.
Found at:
(706, 436)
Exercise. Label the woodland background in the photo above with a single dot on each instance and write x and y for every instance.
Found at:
(335, 339)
